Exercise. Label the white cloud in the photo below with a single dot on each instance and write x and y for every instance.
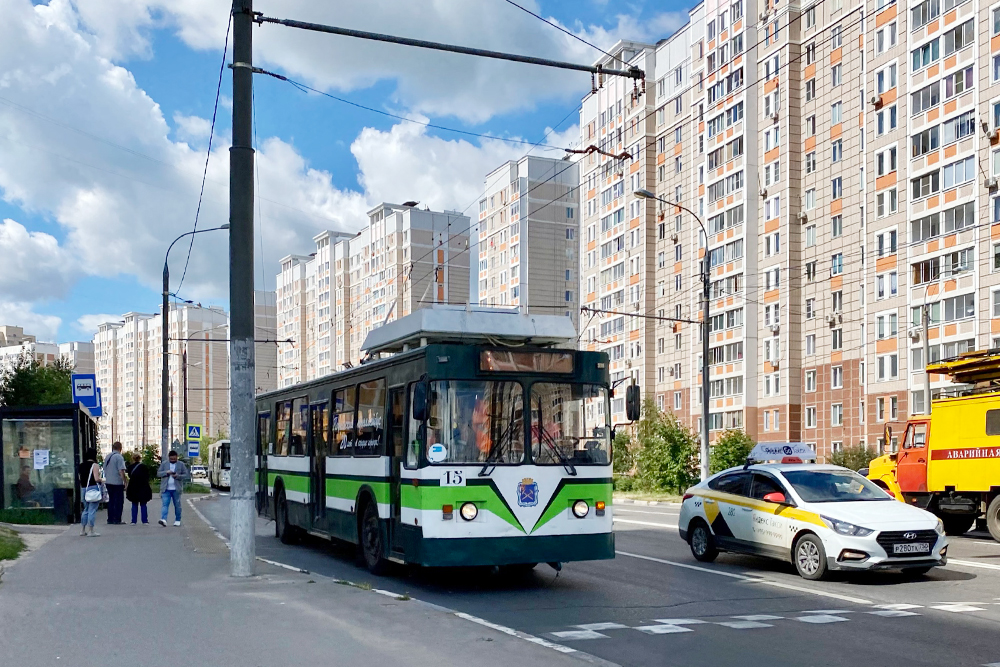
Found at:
(88, 324)
(21, 314)
(192, 129)
(33, 265)
(430, 82)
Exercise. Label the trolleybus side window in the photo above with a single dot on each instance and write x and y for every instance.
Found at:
(284, 411)
(371, 413)
(993, 422)
(298, 442)
(343, 422)
(415, 435)
(396, 409)
(563, 430)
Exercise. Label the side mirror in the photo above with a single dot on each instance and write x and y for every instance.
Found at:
(633, 404)
(419, 401)
(775, 497)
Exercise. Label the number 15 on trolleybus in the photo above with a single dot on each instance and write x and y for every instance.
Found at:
(481, 440)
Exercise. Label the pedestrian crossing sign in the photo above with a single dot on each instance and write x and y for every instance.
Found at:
(194, 431)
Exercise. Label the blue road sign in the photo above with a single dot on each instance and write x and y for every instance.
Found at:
(85, 389)
(99, 410)
(194, 432)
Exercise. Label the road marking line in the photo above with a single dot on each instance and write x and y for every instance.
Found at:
(662, 629)
(956, 608)
(759, 617)
(645, 523)
(826, 611)
(752, 580)
(602, 626)
(578, 634)
(287, 567)
(899, 606)
(516, 633)
(820, 618)
(679, 621)
(892, 613)
(622, 509)
(969, 563)
(744, 625)
(992, 664)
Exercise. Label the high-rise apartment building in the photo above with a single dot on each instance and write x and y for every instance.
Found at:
(526, 237)
(842, 158)
(128, 364)
(14, 344)
(403, 259)
(618, 229)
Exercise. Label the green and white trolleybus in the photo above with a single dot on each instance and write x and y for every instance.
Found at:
(471, 437)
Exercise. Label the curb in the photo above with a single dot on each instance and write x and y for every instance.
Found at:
(39, 529)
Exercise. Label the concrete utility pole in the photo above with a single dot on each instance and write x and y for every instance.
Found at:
(925, 315)
(241, 287)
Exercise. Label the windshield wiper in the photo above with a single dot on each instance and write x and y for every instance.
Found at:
(496, 450)
(551, 443)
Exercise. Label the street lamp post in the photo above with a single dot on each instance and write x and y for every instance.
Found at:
(165, 338)
(706, 283)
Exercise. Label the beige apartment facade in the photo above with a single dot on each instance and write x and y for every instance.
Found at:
(842, 158)
(526, 238)
(403, 259)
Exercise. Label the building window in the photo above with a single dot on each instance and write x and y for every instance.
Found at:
(811, 344)
(837, 264)
(810, 381)
(837, 414)
(810, 416)
(887, 367)
(837, 187)
(837, 377)
(835, 75)
(837, 339)
(810, 162)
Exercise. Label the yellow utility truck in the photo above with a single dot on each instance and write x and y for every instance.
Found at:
(949, 461)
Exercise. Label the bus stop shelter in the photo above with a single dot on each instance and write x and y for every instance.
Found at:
(42, 447)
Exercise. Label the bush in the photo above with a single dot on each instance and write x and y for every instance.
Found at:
(623, 458)
(854, 457)
(730, 450)
(27, 516)
(11, 544)
(624, 483)
(665, 456)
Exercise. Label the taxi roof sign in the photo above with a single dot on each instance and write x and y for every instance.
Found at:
(785, 452)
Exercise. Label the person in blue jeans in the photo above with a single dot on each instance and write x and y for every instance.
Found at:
(172, 474)
(90, 478)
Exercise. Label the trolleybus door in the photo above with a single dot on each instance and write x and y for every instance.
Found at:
(396, 450)
(263, 441)
(319, 422)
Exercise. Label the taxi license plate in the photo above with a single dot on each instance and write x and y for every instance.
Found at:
(913, 548)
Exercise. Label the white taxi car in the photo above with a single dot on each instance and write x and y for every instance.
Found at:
(819, 517)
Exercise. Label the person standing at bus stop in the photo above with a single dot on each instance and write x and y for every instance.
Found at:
(172, 474)
(138, 490)
(114, 472)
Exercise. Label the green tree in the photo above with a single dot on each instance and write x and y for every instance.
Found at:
(854, 457)
(665, 455)
(730, 450)
(28, 382)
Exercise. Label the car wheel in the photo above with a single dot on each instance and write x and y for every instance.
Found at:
(371, 540)
(702, 543)
(993, 518)
(282, 530)
(957, 524)
(810, 557)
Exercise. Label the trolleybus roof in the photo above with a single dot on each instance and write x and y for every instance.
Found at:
(462, 324)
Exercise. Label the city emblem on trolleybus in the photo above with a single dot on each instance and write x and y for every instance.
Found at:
(527, 492)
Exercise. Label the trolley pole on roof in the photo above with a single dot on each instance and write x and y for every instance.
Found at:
(241, 287)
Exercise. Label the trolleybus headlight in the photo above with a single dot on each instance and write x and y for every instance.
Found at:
(580, 509)
(469, 511)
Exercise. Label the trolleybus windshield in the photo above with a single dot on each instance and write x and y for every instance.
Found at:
(475, 422)
(569, 424)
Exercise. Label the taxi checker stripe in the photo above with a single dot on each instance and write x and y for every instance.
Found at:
(771, 508)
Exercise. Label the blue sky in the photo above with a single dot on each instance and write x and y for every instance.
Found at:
(91, 195)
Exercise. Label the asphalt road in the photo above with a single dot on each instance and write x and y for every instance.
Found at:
(655, 605)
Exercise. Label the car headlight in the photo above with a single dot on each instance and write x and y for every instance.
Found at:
(939, 528)
(469, 511)
(580, 509)
(845, 528)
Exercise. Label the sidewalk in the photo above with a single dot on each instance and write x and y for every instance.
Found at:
(148, 595)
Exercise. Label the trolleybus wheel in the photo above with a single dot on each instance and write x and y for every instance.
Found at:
(282, 530)
(993, 518)
(371, 540)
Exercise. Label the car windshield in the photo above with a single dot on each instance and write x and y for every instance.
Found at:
(831, 486)
(569, 424)
(475, 422)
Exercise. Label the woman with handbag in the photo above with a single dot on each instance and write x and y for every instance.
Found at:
(90, 484)
(138, 490)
